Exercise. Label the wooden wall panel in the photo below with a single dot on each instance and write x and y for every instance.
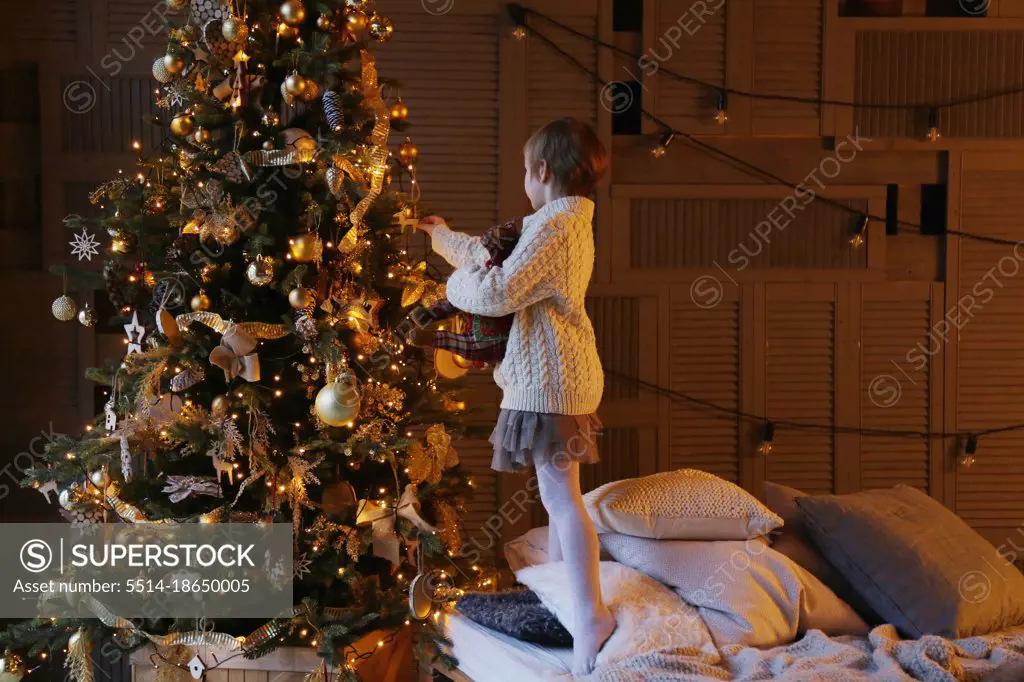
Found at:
(990, 361)
(704, 361)
(898, 367)
(119, 116)
(453, 102)
(736, 233)
(41, 24)
(801, 383)
(929, 66)
(620, 341)
(556, 87)
(675, 38)
(787, 60)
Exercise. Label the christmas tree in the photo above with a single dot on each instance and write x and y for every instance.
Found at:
(263, 265)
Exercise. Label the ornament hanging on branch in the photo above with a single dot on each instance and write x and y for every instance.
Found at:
(337, 403)
(261, 271)
(85, 246)
(293, 12)
(136, 332)
(64, 308)
(87, 316)
(333, 110)
(381, 28)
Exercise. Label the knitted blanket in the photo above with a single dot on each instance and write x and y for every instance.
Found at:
(882, 657)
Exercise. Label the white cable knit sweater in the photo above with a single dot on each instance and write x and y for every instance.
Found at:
(551, 363)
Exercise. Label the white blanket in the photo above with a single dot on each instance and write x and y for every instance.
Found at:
(882, 657)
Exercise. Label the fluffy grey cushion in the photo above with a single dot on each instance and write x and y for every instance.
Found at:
(518, 614)
(794, 541)
(917, 564)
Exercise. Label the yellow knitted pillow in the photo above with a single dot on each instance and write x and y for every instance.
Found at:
(686, 504)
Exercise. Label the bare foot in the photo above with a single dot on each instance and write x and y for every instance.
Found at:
(591, 636)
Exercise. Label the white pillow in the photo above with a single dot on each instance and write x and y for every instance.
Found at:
(687, 504)
(746, 592)
(648, 615)
(529, 549)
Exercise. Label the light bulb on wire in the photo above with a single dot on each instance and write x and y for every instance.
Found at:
(721, 109)
(662, 147)
(860, 232)
(933, 126)
(967, 458)
(767, 436)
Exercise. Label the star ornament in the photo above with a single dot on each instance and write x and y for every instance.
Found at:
(136, 332)
(85, 246)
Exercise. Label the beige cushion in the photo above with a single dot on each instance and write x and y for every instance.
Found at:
(531, 549)
(648, 615)
(746, 592)
(686, 504)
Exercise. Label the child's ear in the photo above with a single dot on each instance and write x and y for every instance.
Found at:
(543, 172)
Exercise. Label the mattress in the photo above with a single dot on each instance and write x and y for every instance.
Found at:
(488, 656)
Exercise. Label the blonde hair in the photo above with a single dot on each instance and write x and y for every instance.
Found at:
(573, 153)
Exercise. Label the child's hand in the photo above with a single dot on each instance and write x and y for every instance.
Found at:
(429, 223)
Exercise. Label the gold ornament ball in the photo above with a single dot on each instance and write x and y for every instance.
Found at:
(202, 136)
(408, 152)
(261, 271)
(357, 21)
(234, 29)
(160, 72)
(12, 668)
(176, 5)
(304, 247)
(87, 316)
(268, 145)
(337, 403)
(174, 64)
(200, 302)
(100, 478)
(300, 298)
(381, 28)
(324, 23)
(220, 406)
(271, 119)
(183, 125)
(293, 12)
(64, 308)
(399, 112)
(312, 91)
(295, 85)
(67, 498)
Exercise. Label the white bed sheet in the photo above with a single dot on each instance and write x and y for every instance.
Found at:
(488, 656)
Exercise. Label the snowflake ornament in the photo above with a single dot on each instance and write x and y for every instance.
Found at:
(85, 246)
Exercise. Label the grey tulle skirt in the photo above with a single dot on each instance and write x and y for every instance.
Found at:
(518, 434)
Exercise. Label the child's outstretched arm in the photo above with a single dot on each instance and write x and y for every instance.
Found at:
(536, 269)
(460, 250)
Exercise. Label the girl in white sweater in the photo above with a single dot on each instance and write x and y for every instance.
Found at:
(551, 375)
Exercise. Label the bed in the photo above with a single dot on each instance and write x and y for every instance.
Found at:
(488, 656)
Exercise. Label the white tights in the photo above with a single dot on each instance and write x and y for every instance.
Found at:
(571, 536)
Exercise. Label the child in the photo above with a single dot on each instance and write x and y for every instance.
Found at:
(476, 338)
(551, 375)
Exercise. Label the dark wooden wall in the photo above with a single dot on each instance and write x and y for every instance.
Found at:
(804, 332)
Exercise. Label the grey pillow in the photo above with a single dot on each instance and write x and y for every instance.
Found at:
(794, 541)
(517, 613)
(917, 564)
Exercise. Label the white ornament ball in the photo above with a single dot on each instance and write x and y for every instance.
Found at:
(160, 72)
(64, 308)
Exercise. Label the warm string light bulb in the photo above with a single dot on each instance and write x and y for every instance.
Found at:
(859, 233)
(767, 436)
(662, 147)
(933, 126)
(721, 109)
(967, 457)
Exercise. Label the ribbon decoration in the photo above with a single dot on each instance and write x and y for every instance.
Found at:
(180, 487)
(427, 463)
(187, 379)
(340, 167)
(378, 154)
(384, 539)
(236, 357)
(258, 330)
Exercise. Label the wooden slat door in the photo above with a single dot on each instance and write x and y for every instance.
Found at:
(801, 382)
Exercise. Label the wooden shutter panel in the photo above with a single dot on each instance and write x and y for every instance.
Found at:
(800, 386)
(700, 54)
(895, 389)
(557, 88)
(990, 363)
(704, 361)
(787, 60)
(930, 66)
(453, 104)
(616, 321)
(119, 116)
